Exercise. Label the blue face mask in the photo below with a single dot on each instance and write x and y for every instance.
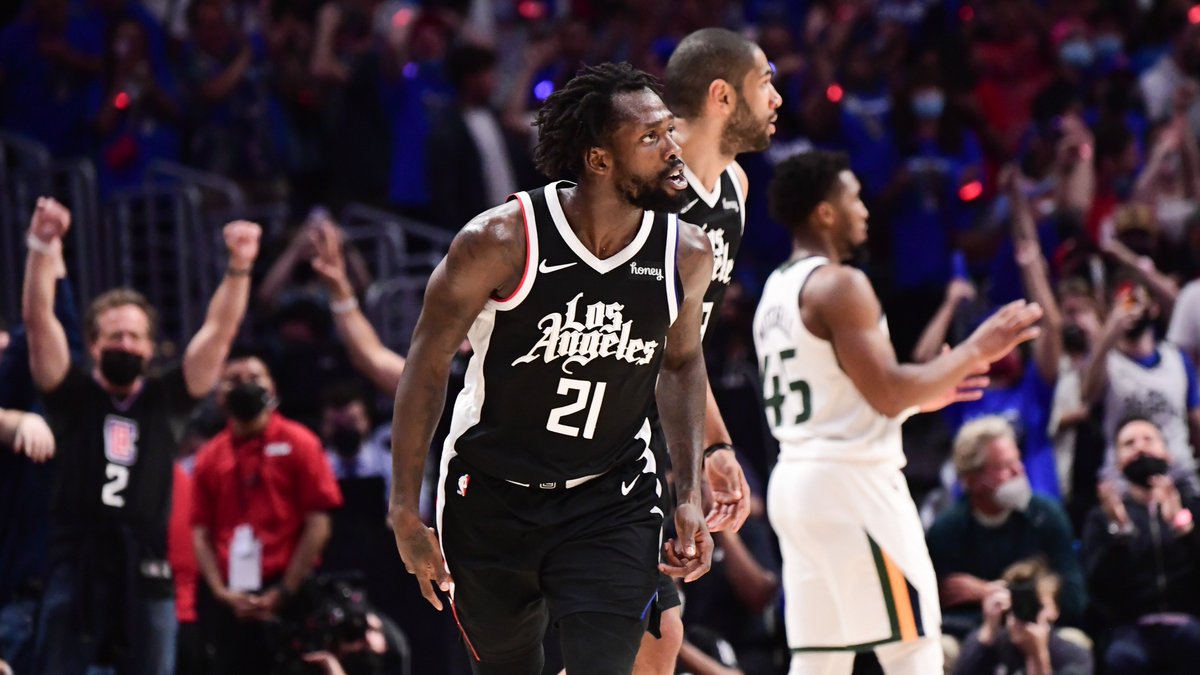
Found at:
(1076, 53)
(1108, 46)
(928, 105)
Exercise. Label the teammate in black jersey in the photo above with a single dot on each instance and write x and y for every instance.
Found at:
(719, 85)
(577, 298)
(109, 587)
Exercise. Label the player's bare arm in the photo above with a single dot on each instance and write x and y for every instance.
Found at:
(210, 345)
(681, 387)
(730, 490)
(49, 357)
(486, 260)
(839, 305)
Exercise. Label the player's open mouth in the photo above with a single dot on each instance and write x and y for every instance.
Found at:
(676, 179)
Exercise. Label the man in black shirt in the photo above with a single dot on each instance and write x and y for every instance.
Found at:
(108, 591)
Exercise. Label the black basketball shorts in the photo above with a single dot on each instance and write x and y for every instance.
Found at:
(523, 556)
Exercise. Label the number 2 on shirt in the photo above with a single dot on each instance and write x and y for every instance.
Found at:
(118, 478)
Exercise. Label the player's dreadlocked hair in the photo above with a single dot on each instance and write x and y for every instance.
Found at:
(801, 182)
(580, 116)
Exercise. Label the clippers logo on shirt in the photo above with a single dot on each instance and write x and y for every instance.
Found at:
(579, 335)
(120, 440)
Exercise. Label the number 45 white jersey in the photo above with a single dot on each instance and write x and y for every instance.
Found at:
(814, 409)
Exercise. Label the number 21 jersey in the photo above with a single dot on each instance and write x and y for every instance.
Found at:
(564, 369)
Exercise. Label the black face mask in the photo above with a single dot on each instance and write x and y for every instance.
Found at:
(246, 401)
(1143, 468)
(1144, 322)
(120, 367)
(1075, 341)
(345, 441)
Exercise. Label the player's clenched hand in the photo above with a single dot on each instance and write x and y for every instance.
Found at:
(1011, 325)
(730, 492)
(422, 555)
(689, 555)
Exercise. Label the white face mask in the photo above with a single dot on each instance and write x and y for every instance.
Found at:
(1014, 494)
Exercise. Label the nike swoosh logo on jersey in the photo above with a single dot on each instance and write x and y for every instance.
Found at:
(689, 205)
(546, 269)
(626, 488)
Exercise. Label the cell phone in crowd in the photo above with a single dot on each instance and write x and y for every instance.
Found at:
(1026, 605)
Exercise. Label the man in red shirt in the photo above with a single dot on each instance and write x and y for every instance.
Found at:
(261, 495)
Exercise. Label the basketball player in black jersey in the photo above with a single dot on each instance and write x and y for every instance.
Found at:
(719, 85)
(577, 298)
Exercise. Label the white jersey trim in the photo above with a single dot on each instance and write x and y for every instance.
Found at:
(531, 259)
(568, 235)
(672, 251)
(737, 189)
(699, 188)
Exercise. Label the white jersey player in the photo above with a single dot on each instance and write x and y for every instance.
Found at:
(856, 572)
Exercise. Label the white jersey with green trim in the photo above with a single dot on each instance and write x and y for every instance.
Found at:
(814, 409)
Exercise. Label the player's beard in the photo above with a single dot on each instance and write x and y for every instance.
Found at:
(745, 133)
(652, 194)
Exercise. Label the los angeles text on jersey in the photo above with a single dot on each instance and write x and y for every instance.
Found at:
(722, 257)
(579, 335)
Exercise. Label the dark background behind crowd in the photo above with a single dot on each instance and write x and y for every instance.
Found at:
(1044, 149)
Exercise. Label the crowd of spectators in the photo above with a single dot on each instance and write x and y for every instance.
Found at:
(1044, 149)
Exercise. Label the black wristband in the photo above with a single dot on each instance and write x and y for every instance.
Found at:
(715, 447)
(235, 272)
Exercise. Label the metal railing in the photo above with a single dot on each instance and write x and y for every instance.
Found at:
(164, 238)
(393, 302)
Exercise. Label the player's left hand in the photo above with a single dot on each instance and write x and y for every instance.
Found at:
(689, 555)
(730, 492)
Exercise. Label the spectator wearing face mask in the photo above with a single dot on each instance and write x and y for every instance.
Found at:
(1141, 553)
(1134, 374)
(998, 522)
(109, 586)
(262, 491)
(352, 448)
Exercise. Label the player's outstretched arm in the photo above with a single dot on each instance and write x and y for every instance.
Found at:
(841, 304)
(681, 403)
(487, 258)
(367, 352)
(49, 355)
(210, 345)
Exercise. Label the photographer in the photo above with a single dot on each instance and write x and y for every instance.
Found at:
(1018, 634)
(1141, 554)
(998, 522)
(333, 630)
